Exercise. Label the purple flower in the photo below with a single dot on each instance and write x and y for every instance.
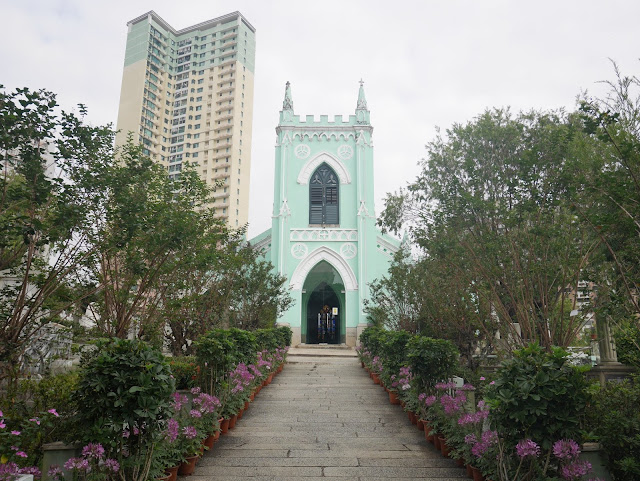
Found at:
(195, 391)
(112, 464)
(482, 378)
(31, 470)
(77, 463)
(35, 420)
(527, 447)
(22, 454)
(575, 470)
(173, 429)
(470, 439)
(55, 471)
(194, 413)
(15, 433)
(2, 424)
(92, 450)
(422, 396)
(429, 401)
(566, 449)
(54, 412)
(189, 432)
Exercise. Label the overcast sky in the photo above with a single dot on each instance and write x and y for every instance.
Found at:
(425, 63)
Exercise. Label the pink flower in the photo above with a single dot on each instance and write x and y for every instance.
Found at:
(2, 424)
(15, 433)
(482, 378)
(173, 429)
(22, 454)
(575, 470)
(492, 383)
(54, 412)
(566, 449)
(35, 420)
(194, 413)
(77, 463)
(526, 448)
(189, 432)
(93, 450)
(112, 464)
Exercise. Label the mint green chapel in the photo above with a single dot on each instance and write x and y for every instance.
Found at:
(324, 237)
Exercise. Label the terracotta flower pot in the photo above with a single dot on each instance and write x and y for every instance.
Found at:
(240, 413)
(246, 405)
(216, 436)
(362, 364)
(477, 474)
(469, 471)
(232, 421)
(420, 424)
(436, 442)
(172, 472)
(224, 426)
(253, 395)
(393, 398)
(208, 441)
(444, 447)
(188, 467)
(164, 478)
(270, 378)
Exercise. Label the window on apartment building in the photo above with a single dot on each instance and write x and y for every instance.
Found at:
(195, 154)
(200, 89)
(196, 145)
(197, 126)
(198, 117)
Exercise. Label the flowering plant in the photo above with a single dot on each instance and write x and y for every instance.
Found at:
(531, 462)
(19, 438)
(92, 466)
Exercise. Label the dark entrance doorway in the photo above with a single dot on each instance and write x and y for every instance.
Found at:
(322, 325)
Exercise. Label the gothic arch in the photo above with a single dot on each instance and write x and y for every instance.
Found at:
(314, 162)
(324, 254)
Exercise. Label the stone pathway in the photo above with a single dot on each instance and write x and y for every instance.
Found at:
(322, 417)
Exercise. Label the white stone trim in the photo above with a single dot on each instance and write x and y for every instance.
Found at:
(313, 163)
(323, 235)
(263, 243)
(323, 253)
(385, 244)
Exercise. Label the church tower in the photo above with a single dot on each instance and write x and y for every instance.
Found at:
(324, 237)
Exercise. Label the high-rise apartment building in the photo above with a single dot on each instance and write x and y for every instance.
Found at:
(187, 96)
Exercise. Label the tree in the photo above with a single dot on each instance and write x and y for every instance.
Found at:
(492, 209)
(259, 293)
(610, 201)
(40, 243)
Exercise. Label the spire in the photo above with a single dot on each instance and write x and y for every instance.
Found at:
(288, 102)
(362, 101)
(362, 111)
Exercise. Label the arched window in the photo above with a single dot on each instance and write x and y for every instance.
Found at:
(324, 196)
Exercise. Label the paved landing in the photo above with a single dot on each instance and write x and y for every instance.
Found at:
(323, 418)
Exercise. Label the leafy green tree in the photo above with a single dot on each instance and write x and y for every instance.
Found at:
(492, 210)
(260, 295)
(611, 195)
(40, 239)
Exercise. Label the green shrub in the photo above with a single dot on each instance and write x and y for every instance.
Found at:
(538, 396)
(123, 400)
(431, 361)
(267, 339)
(627, 345)
(284, 335)
(393, 350)
(184, 370)
(615, 419)
(371, 338)
(246, 345)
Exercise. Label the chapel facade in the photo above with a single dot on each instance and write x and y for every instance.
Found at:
(324, 237)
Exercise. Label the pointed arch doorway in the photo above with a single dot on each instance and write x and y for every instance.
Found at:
(323, 306)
